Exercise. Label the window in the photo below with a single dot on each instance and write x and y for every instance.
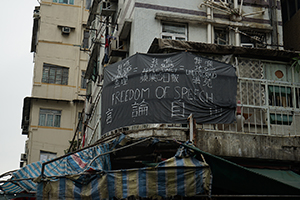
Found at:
(64, 1)
(49, 118)
(45, 155)
(280, 96)
(80, 120)
(281, 119)
(55, 74)
(174, 31)
(221, 36)
(88, 4)
(83, 80)
(282, 92)
(253, 39)
(85, 42)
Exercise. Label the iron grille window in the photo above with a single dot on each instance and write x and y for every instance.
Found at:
(281, 119)
(280, 96)
(55, 74)
(64, 1)
(50, 118)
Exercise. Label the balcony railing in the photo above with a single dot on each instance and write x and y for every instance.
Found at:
(265, 106)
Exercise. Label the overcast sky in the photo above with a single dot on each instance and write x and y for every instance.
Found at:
(16, 77)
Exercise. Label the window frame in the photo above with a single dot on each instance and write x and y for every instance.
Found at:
(80, 122)
(50, 117)
(250, 42)
(86, 38)
(69, 2)
(280, 96)
(174, 36)
(281, 92)
(83, 84)
(48, 154)
(221, 30)
(49, 69)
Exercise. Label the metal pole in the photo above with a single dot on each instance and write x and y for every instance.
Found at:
(190, 118)
(248, 196)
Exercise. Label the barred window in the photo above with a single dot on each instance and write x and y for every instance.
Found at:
(280, 96)
(55, 74)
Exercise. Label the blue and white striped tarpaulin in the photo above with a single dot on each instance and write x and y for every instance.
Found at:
(175, 176)
(70, 165)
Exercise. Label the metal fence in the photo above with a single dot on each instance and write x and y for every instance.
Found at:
(267, 99)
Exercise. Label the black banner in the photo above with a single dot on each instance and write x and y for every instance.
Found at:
(167, 88)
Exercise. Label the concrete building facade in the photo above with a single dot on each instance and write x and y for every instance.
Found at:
(248, 35)
(51, 114)
(254, 154)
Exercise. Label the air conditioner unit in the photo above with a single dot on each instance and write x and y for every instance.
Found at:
(24, 157)
(249, 45)
(65, 29)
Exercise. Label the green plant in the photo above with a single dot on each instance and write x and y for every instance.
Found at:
(73, 145)
(296, 63)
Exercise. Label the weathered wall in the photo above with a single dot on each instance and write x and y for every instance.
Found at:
(63, 50)
(249, 145)
(51, 139)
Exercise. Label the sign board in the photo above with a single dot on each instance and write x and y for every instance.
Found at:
(167, 88)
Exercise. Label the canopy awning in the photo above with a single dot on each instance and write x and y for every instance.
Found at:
(87, 174)
(241, 180)
(76, 163)
(184, 176)
(285, 176)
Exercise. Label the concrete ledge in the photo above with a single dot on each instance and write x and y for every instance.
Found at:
(242, 145)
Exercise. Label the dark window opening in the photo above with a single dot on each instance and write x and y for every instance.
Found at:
(281, 119)
(253, 39)
(280, 96)
(83, 80)
(221, 36)
(85, 43)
